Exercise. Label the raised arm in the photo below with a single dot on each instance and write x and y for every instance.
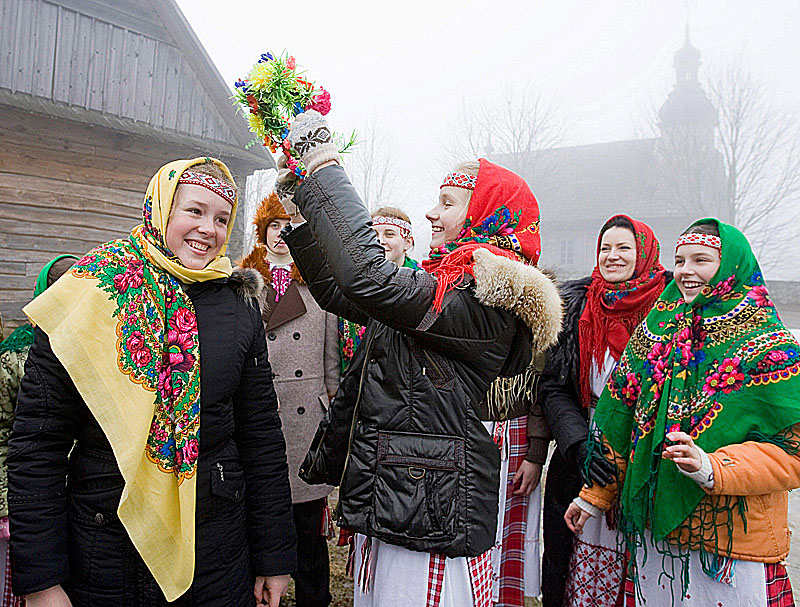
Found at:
(341, 225)
(313, 266)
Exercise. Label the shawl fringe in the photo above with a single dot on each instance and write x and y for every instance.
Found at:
(505, 392)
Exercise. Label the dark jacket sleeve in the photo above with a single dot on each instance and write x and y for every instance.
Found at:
(558, 395)
(309, 259)
(41, 438)
(262, 450)
(341, 225)
(538, 434)
(400, 298)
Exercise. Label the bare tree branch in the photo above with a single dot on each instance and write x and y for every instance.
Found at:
(370, 168)
(518, 123)
(758, 147)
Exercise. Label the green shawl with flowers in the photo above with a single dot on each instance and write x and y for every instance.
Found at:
(21, 339)
(724, 369)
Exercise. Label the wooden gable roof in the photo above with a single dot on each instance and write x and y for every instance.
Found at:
(131, 66)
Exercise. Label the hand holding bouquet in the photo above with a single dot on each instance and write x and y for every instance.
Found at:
(273, 94)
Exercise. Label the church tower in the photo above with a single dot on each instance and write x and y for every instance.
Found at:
(688, 114)
(692, 169)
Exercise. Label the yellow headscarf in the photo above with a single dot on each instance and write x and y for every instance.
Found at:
(126, 333)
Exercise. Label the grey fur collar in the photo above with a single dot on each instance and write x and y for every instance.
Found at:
(501, 282)
(247, 283)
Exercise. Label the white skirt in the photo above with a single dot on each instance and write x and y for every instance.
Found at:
(403, 577)
(749, 588)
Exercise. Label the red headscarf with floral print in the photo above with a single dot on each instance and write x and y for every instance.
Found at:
(614, 309)
(503, 216)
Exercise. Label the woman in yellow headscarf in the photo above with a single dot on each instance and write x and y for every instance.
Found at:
(144, 342)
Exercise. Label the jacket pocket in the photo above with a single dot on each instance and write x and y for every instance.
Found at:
(99, 549)
(227, 484)
(418, 485)
(225, 534)
(433, 365)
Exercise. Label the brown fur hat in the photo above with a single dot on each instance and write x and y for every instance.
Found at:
(269, 209)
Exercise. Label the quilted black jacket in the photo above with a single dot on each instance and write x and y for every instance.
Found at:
(63, 512)
(404, 433)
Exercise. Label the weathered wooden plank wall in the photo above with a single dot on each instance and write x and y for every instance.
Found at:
(66, 187)
(72, 53)
(75, 178)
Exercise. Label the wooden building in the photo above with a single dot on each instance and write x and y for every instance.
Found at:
(96, 95)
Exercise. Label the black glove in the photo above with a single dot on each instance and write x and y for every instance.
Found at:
(600, 470)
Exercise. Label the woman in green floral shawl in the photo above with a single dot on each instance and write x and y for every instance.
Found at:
(710, 381)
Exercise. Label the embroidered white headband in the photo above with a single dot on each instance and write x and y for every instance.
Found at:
(459, 180)
(405, 227)
(708, 240)
(220, 188)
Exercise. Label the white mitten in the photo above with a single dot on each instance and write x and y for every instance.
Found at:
(311, 137)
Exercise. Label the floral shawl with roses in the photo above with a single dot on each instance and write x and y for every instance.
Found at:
(126, 333)
(724, 369)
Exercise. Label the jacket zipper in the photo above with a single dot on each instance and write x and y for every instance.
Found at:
(433, 364)
(338, 510)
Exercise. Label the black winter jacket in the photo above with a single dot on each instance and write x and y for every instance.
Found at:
(417, 467)
(64, 526)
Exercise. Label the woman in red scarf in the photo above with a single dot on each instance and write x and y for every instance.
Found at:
(417, 470)
(601, 312)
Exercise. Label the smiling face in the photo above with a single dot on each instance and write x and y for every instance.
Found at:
(197, 226)
(394, 244)
(617, 258)
(272, 236)
(695, 266)
(448, 216)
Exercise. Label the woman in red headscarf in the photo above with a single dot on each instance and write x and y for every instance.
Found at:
(403, 438)
(601, 312)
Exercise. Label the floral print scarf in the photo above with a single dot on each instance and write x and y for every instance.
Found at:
(613, 310)
(126, 332)
(724, 369)
(503, 216)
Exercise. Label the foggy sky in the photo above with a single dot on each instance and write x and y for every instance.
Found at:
(413, 63)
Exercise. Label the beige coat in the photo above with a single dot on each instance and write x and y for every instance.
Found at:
(304, 354)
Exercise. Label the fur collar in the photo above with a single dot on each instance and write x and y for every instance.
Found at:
(525, 290)
(257, 259)
(247, 284)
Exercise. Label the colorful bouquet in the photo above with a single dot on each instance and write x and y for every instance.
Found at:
(272, 94)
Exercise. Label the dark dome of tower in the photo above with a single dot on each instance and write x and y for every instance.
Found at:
(688, 103)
